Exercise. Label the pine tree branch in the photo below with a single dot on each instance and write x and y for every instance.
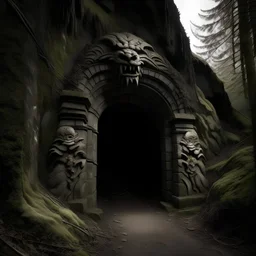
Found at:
(219, 46)
(218, 8)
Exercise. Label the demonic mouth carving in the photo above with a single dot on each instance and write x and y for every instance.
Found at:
(128, 53)
(129, 63)
(130, 73)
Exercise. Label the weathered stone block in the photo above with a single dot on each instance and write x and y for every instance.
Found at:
(91, 184)
(167, 131)
(83, 175)
(167, 195)
(95, 213)
(166, 157)
(94, 153)
(91, 170)
(177, 177)
(92, 70)
(188, 118)
(89, 149)
(167, 144)
(88, 73)
(188, 201)
(92, 201)
(179, 189)
(167, 175)
(145, 72)
(167, 185)
(103, 67)
(167, 166)
(79, 205)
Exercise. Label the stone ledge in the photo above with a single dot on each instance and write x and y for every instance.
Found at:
(92, 129)
(188, 201)
(78, 205)
(76, 97)
(183, 117)
(94, 213)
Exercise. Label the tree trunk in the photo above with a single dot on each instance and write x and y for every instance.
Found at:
(247, 53)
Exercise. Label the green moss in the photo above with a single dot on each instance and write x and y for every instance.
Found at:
(37, 207)
(243, 159)
(79, 253)
(232, 138)
(233, 195)
(206, 103)
(216, 167)
(237, 183)
(97, 18)
(237, 187)
(59, 48)
(243, 120)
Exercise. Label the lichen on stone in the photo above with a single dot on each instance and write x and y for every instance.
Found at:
(235, 189)
(211, 134)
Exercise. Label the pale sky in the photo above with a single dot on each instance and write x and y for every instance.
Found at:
(189, 10)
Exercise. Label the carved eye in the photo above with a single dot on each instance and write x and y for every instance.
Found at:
(70, 136)
(134, 57)
(123, 57)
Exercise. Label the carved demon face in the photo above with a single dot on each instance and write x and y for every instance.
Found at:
(128, 55)
(129, 64)
(192, 139)
(67, 135)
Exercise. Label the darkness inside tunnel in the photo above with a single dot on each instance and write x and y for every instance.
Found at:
(129, 156)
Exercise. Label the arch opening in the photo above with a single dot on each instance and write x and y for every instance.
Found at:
(129, 152)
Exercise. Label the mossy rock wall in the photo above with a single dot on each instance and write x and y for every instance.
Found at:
(233, 195)
(212, 136)
(28, 78)
(18, 105)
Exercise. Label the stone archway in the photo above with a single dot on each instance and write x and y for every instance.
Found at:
(121, 67)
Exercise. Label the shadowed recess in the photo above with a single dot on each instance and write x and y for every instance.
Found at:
(129, 156)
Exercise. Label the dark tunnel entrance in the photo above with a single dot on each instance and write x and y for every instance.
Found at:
(129, 156)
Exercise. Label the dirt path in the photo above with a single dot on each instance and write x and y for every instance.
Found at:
(144, 228)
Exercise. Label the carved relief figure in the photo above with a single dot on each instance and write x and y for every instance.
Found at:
(128, 54)
(67, 161)
(192, 163)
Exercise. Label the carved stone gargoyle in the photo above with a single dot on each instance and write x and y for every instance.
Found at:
(128, 54)
(192, 164)
(67, 159)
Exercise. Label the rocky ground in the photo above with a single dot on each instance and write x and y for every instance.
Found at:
(144, 227)
(130, 226)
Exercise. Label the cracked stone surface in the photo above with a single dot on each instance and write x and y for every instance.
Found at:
(144, 228)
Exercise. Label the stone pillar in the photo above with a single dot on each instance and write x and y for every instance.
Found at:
(73, 117)
(166, 158)
(188, 178)
(92, 138)
(91, 151)
(74, 107)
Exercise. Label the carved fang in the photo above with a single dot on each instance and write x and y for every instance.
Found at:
(137, 80)
(127, 80)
